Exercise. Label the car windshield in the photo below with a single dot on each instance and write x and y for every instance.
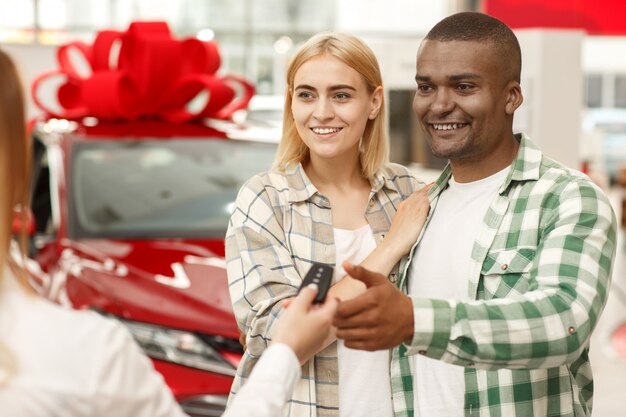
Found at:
(182, 188)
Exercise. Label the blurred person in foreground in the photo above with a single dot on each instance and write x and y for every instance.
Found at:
(61, 362)
(56, 361)
(332, 196)
(502, 292)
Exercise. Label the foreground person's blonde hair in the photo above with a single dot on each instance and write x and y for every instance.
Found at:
(15, 163)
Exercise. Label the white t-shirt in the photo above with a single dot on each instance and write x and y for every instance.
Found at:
(364, 384)
(74, 363)
(440, 270)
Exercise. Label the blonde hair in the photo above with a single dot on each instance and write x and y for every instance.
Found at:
(15, 161)
(357, 55)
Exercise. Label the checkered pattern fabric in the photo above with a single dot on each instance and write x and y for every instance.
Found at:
(280, 226)
(538, 283)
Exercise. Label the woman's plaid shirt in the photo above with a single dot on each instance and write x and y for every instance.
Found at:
(280, 225)
(539, 280)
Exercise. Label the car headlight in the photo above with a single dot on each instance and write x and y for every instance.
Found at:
(178, 346)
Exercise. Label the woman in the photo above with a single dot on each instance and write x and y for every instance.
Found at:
(330, 197)
(55, 361)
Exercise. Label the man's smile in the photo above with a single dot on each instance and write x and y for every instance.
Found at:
(447, 126)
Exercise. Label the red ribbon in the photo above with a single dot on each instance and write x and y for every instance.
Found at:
(153, 76)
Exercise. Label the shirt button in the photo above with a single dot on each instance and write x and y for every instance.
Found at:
(571, 330)
(421, 352)
(504, 267)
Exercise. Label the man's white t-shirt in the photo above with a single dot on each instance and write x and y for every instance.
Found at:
(364, 385)
(440, 270)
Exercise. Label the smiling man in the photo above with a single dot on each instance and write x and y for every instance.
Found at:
(497, 300)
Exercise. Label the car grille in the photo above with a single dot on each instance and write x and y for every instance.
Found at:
(205, 405)
(222, 343)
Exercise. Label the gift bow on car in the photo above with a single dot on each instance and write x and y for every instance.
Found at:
(143, 73)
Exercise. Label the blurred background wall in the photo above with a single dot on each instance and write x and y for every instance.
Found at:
(574, 52)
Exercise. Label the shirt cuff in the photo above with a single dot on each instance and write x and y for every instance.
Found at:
(432, 323)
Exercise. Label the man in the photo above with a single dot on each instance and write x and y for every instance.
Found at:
(513, 269)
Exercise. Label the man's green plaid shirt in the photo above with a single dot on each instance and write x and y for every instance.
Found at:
(539, 281)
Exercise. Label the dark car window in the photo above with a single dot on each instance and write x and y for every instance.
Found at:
(160, 188)
(41, 203)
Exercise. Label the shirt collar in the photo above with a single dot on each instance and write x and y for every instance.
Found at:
(524, 167)
(301, 188)
(527, 162)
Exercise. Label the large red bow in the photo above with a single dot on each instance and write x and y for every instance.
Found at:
(151, 75)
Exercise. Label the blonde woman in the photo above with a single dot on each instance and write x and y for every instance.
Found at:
(332, 196)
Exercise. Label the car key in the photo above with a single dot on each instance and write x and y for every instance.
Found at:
(321, 275)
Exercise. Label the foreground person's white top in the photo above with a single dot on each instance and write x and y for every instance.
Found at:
(79, 364)
(270, 385)
(74, 363)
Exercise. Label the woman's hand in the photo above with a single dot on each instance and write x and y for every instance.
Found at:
(408, 222)
(305, 326)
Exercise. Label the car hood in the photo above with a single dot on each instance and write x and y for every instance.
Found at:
(173, 283)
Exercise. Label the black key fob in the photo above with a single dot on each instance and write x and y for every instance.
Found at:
(321, 275)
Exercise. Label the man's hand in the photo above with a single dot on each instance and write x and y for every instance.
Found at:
(381, 318)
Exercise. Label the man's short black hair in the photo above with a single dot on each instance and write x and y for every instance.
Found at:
(479, 27)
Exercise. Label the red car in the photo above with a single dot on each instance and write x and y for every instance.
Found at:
(129, 221)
